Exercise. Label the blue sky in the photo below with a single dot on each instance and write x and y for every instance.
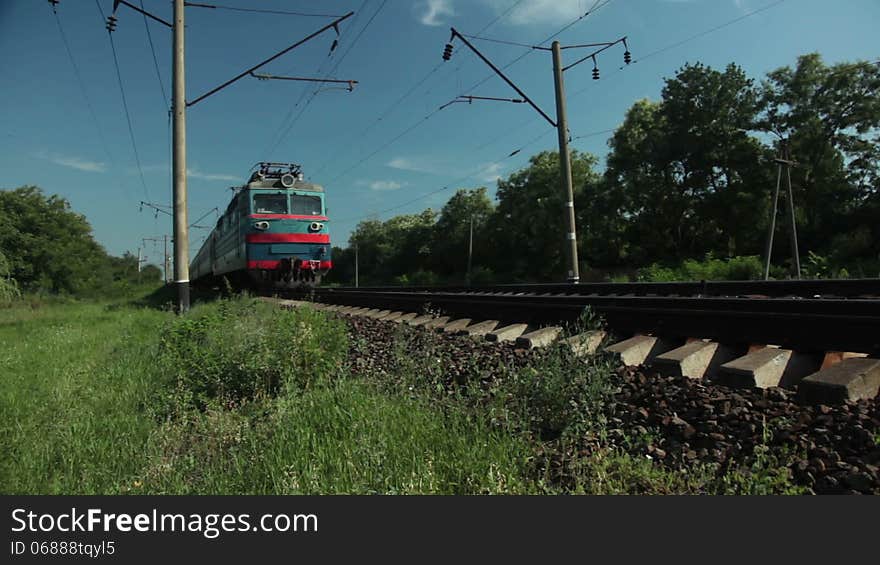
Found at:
(51, 138)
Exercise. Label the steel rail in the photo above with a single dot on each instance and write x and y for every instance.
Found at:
(847, 288)
(820, 324)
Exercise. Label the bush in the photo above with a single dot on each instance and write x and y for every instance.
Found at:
(8, 286)
(244, 348)
(563, 395)
(740, 268)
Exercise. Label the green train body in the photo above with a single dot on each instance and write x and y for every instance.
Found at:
(273, 233)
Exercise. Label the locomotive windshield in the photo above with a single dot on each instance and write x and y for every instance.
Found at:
(305, 205)
(270, 204)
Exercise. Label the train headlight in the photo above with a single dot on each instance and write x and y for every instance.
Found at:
(316, 226)
(262, 225)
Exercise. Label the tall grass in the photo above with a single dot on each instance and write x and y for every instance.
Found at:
(73, 380)
(237, 397)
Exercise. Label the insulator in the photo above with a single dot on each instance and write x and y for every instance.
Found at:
(111, 23)
(627, 57)
(447, 52)
(595, 73)
(54, 3)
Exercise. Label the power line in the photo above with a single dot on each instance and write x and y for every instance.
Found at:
(260, 11)
(501, 41)
(82, 87)
(155, 60)
(500, 16)
(460, 180)
(385, 145)
(708, 31)
(651, 54)
(689, 39)
(282, 125)
(125, 106)
(599, 4)
(396, 104)
(330, 72)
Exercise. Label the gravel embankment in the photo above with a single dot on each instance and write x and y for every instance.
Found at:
(832, 449)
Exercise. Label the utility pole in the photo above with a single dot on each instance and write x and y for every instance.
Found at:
(178, 108)
(794, 243)
(166, 258)
(783, 162)
(561, 122)
(166, 262)
(768, 250)
(565, 166)
(356, 258)
(470, 249)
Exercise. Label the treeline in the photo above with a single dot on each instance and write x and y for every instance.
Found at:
(45, 247)
(685, 191)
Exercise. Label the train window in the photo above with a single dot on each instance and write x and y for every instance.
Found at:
(270, 204)
(306, 205)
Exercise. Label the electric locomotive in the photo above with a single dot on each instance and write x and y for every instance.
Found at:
(273, 233)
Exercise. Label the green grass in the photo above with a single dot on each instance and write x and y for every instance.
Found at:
(98, 399)
(74, 378)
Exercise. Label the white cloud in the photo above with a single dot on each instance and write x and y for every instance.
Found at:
(385, 185)
(434, 10)
(197, 174)
(491, 172)
(75, 163)
(193, 173)
(417, 165)
(541, 11)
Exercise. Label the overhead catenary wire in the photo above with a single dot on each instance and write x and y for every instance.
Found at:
(453, 183)
(82, 88)
(681, 42)
(390, 109)
(588, 135)
(656, 52)
(599, 4)
(332, 70)
(276, 138)
(397, 103)
(137, 157)
(549, 131)
(708, 31)
(260, 10)
(155, 60)
(385, 145)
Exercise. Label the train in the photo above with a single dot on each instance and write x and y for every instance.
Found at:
(273, 234)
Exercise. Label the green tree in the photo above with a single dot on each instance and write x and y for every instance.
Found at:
(527, 231)
(684, 174)
(452, 232)
(49, 247)
(394, 248)
(830, 117)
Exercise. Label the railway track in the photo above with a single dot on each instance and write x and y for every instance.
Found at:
(822, 334)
